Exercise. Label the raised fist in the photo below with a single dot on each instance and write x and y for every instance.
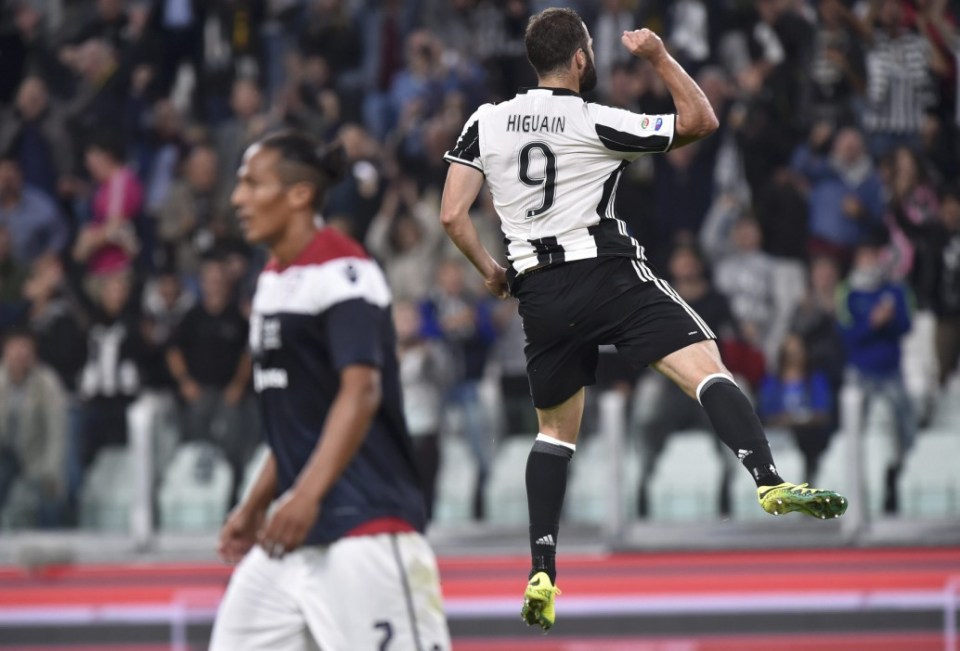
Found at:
(643, 43)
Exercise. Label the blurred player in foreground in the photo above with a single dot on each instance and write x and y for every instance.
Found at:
(339, 562)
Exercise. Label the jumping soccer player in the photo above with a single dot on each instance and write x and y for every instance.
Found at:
(552, 163)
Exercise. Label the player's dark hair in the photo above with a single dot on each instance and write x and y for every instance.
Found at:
(325, 164)
(553, 36)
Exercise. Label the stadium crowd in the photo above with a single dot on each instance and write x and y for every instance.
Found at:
(816, 229)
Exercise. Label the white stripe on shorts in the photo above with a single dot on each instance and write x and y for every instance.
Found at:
(646, 275)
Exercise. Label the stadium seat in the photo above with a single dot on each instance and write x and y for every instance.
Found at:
(588, 489)
(930, 480)
(673, 496)
(195, 492)
(879, 449)
(506, 490)
(104, 497)
(455, 482)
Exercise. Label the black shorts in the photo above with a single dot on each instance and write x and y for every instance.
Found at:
(571, 309)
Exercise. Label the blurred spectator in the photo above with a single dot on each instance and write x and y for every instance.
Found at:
(683, 191)
(178, 25)
(29, 216)
(13, 274)
(33, 132)
(899, 90)
(783, 213)
(231, 53)
(846, 196)
(688, 32)
(500, 49)
(799, 399)
(165, 302)
(309, 102)
(209, 361)
(938, 241)
(918, 200)
(109, 242)
(330, 32)
(55, 320)
(781, 45)
(107, 23)
(455, 316)
(874, 316)
(405, 236)
(424, 375)
(157, 153)
(385, 26)
(416, 91)
(246, 125)
(746, 277)
(192, 214)
(454, 22)
(837, 73)
(815, 321)
(26, 51)
(33, 411)
(110, 379)
(353, 203)
(614, 19)
(100, 100)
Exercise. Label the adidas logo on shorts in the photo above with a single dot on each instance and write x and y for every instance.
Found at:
(546, 540)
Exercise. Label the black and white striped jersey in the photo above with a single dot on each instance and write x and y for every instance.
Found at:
(899, 88)
(552, 162)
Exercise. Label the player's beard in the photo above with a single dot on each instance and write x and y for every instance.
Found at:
(588, 78)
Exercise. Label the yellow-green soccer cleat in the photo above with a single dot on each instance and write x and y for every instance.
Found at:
(815, 502)
(538, 607)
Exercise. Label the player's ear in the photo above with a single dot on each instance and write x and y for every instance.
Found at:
(300, 195)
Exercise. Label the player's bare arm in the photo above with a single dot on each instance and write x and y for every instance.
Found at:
(346, 426)
(695, 116)
(459, 192)
(239, 532)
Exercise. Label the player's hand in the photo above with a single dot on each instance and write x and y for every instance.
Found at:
(288, 526)
(497, 282)
(239, 534)
(644, 43)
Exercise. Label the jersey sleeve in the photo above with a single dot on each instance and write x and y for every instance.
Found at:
(354, 334)
(467, 149)
(631, 134)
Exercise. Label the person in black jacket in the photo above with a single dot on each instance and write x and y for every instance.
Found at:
(938, 242)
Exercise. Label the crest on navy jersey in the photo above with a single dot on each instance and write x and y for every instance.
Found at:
(351, 272)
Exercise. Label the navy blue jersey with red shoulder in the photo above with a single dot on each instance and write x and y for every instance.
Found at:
(327, 310)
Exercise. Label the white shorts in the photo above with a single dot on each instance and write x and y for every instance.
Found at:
(376, 593)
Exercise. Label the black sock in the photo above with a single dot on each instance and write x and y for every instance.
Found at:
(546, 485)
(735, 421)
